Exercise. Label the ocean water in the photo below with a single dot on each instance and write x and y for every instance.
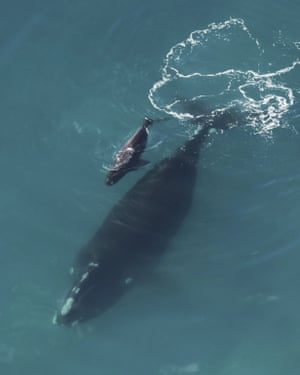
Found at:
(77, 77)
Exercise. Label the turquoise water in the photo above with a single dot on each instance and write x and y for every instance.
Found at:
(77, 78)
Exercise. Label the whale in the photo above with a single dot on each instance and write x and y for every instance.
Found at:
(134, 235)
(128, 158)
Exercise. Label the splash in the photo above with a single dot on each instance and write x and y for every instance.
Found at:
(224, 68)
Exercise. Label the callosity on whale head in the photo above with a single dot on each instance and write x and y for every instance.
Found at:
(79, 298)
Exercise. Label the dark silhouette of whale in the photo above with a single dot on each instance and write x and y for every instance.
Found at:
(128, 158)
(134, 235)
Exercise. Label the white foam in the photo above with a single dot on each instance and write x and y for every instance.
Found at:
(78, 127)
(192, 67)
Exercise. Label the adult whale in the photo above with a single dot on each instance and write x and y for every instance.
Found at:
(134, 235)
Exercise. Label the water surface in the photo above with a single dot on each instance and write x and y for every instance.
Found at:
(76, 79)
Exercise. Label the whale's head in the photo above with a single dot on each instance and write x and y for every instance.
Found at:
(92, 293)
(114, 175)
(78, 304)
(68, 314)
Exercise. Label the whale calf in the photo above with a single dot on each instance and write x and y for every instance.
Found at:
(129, 156)
(134, 235)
